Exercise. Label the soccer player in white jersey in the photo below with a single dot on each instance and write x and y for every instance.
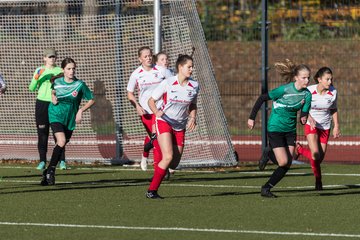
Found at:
(161, 61)
(178, 113)
(145, 79)
(324, 111)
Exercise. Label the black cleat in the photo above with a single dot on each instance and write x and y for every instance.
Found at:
(265, 192)
(318, 186)
(153, 195)
(264, 158)
(150, 145)
(43, 180)
(48, 177)
(167, 176)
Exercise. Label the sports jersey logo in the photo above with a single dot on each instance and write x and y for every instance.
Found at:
(74, 93)
(189, 94)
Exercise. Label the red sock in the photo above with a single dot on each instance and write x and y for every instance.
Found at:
(146, 140)
(315, 165)
(157, 153)
(159, 175)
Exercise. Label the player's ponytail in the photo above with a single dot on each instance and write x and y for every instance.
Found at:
(52, 79)
(288, 70)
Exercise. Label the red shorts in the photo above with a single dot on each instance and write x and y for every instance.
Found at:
(178, 137)
(148, 121)
(323, 134)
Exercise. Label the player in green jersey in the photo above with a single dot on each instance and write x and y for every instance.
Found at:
(287, 100)
(41, 83)
(65, 112)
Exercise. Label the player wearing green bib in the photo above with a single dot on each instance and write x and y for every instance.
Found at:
(65, 112)
(41, 83)
(287, 100)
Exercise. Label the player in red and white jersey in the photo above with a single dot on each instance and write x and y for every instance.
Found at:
(145, 79)
(161, 61)
(322, 113)
(177, 115)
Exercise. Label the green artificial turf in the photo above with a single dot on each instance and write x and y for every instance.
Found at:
(109, 203)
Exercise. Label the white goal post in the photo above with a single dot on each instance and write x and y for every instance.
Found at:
(103, 37)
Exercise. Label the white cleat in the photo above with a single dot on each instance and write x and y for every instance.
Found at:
(143, 163)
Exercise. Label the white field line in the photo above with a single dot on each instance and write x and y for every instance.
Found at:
(136, 169)
(182, 229)
(185, 185)
(192, 142)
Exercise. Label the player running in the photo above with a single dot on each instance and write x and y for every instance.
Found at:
(41, 83)
(323, 110)
(64, 112)
(178, 113)
(287, 100)
(145, 79)
(161, 61)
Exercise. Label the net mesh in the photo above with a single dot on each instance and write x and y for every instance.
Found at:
(103, 38)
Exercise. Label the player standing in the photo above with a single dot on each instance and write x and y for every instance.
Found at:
(178, 113)
(145, 79)
(323, 110)
(41, 83)
(287, 100)
(64, 112)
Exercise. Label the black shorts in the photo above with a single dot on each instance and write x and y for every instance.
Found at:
(41, 112)
(281, 139)
(58, 127)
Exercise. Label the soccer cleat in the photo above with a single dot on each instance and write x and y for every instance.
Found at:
(153, 194)
(318, 186)
(264, 158)
(143, 163)
(62, 165)
(265, 192)
(43, 180)
(296, 151)
(48, 177)
(150, 145)
(41, 165)
(167, 175)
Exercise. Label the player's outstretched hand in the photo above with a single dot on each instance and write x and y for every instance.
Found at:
(251, 123)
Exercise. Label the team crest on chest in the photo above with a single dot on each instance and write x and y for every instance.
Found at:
(74, 93)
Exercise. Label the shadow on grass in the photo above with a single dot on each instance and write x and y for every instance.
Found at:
(58, 173)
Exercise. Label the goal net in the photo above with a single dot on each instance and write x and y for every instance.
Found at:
(103, 37)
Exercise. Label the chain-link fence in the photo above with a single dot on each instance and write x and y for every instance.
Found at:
(317, 33)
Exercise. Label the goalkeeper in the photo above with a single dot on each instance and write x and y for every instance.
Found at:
(41, 83)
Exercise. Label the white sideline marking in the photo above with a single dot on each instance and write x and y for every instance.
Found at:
(188, 185)
(136, 169)
(213, 230)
